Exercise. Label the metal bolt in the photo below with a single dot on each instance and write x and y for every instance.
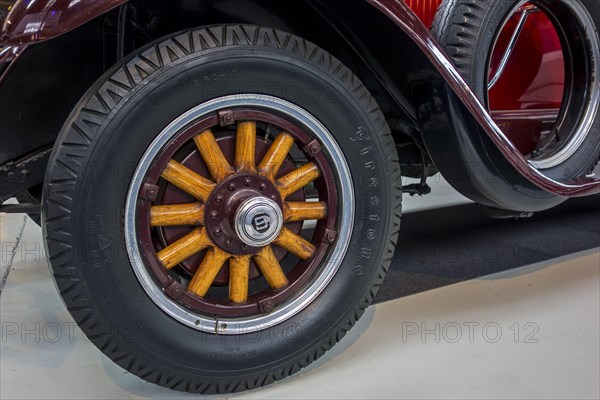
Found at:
(219, 198)
(218, 232)
(226, 117)
(265, 305)
(149, 191)
(247, 182)
(244, 247)
(262, 186)
(231, 186)
(214, 215)
(273, 197)
(175, 290)
(330, 236)
(228, 243)
(313, 148)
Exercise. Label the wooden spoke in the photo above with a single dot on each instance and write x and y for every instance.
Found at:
(302, 211)
(213, 156)
(295, 244)
(297, 179)
(178, 214)
(239, 271)
(195, 241)
(207, 271)
(187, 180)
(245, 147)
(270, 268)
(272, 161)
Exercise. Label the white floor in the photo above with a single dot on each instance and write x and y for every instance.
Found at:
(532, 332)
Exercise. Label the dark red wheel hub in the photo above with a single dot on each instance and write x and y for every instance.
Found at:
(223, 203)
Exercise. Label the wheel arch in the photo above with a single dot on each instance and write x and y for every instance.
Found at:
(99, 43)
(34, 114)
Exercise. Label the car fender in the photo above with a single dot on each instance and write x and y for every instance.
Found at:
(34, 21)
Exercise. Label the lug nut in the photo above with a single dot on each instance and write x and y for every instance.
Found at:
(231, 186)
(262, 186)
(228, 243)
(313, 148)
(219, 199)
(247, 182)
(244, 247)
(149, 192)
(331, 237)
(218, 232)
(214, 215)
(265, 305)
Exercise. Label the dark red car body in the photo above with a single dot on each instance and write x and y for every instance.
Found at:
(53, 50)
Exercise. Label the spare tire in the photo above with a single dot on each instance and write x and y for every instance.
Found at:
(468, 30)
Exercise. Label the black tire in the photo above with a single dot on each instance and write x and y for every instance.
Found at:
(467, 29)
(95, 157)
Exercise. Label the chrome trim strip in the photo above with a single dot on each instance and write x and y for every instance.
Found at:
(510, 48)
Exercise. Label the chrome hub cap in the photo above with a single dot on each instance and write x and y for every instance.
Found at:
(258, 221)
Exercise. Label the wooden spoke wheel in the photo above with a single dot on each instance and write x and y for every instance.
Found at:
(241, 214)
(231, 237)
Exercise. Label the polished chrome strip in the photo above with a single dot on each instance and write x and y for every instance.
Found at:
(511, 45)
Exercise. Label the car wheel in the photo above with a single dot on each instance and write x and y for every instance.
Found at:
(564, 145)
(221, 207)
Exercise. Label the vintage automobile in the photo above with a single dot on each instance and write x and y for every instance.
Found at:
(220, 182)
